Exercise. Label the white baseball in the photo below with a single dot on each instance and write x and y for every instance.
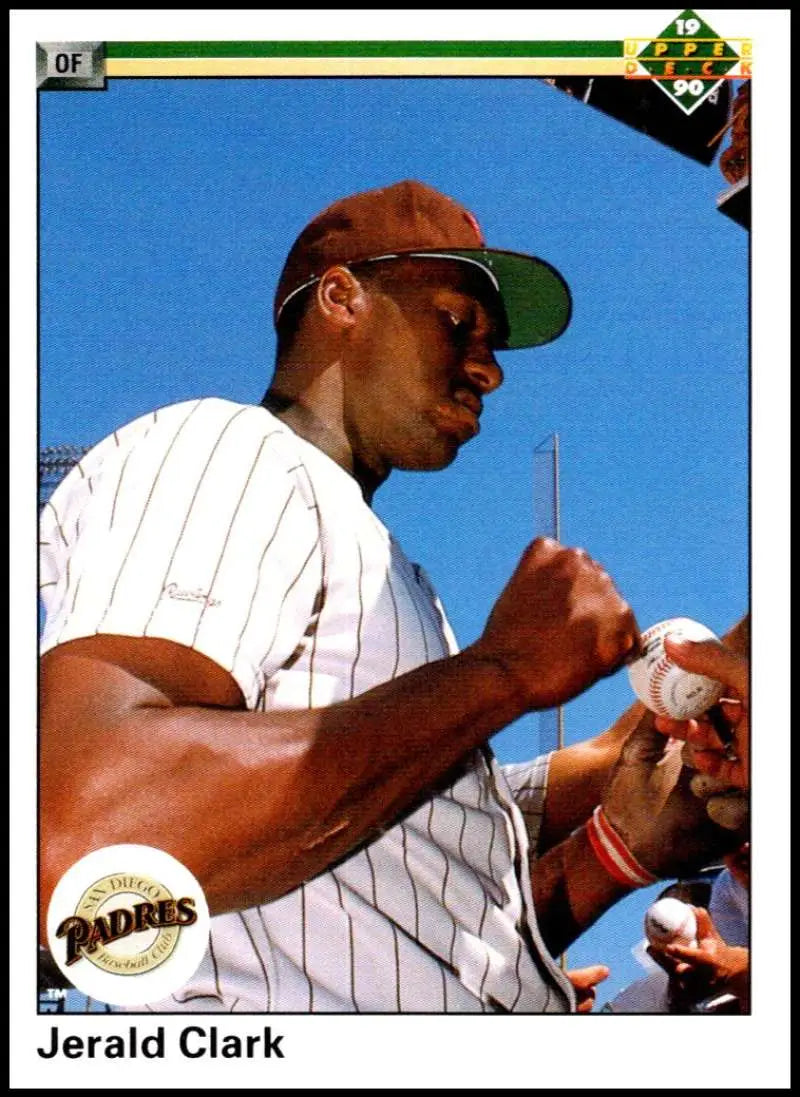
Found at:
(665, 688)
(670, 922)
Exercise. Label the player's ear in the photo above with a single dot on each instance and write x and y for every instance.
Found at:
(340, 297)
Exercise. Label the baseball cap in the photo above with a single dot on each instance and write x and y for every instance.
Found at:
(413, 220)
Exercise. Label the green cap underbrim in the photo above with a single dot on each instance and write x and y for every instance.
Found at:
(536, 299)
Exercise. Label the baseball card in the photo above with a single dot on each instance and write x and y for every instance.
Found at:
(317, 760)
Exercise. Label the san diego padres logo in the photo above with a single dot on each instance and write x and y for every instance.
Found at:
(132, 909)
(128, 924)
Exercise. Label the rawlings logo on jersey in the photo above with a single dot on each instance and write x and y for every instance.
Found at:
(181, 594)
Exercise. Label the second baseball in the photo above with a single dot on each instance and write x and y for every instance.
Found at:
(662, 686)
(669, 921)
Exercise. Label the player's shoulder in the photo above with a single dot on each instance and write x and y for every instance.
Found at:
(186, 440)
(241, 427)
(218, 440)
(209, 417)
(197, 429)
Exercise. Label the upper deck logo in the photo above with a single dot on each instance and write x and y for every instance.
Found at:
(128, 925)
(688, 60)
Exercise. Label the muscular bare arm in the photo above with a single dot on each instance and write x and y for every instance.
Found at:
(252, 802)
(145, 741)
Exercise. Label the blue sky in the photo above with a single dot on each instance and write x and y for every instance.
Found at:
(167, 208)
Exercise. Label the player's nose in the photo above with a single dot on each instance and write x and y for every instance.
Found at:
(483, 371)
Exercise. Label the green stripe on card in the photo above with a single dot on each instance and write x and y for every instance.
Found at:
(120, 50)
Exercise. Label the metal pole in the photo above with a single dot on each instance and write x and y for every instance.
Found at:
(562, 960)
(557, 514)
(552, 524)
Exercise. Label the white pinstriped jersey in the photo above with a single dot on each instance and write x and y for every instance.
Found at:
(214, 525)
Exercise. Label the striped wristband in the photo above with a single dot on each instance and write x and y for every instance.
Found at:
(613, 854)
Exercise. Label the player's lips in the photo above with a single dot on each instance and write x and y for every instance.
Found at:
(459, 414)
(458, 418)
(470, 400)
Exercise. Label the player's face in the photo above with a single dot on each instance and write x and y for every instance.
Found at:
(428, 363)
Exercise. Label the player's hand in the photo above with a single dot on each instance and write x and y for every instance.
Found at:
(584, 980)
(649, 802)
(559, 625)
(727, 763)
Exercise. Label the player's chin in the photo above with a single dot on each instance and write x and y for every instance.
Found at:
(432, 459)
(436, 446)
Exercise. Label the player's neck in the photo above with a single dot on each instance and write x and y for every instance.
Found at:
(308, 424)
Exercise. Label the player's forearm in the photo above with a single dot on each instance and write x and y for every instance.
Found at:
(256, 802)
(571, 890)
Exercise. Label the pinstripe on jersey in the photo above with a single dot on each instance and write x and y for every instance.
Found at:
(212, 524)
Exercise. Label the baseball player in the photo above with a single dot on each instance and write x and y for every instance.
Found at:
(242, 667)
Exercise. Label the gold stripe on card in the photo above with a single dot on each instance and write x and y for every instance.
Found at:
(365, 66)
